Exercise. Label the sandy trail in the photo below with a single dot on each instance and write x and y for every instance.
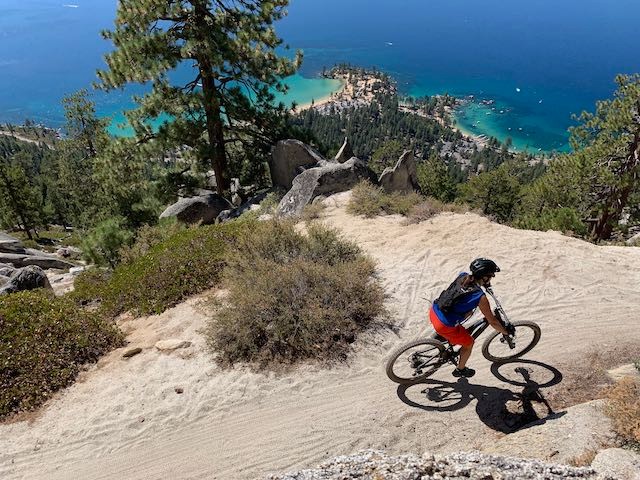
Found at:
(123, 420)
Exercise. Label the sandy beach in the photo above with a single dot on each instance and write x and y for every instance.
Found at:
(317, 102)
(124, 418)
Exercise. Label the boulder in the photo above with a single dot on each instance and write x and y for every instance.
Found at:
(203, 208)
(345, 152)
(634, 240)
(561, 437)
(401, 178)
(132, 352)
(9, 243)
(617, 463)
(27, 278)
(20, 260)
(69, 252)
(75, 271)
(252, 203)
(172, 344)
(6, 270)
(288, 158)
(325, 180)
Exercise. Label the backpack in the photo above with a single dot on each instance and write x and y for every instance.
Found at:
(453, 293)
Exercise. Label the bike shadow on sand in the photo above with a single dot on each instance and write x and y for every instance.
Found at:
(503, 409)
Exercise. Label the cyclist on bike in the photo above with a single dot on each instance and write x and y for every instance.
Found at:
(457, 303)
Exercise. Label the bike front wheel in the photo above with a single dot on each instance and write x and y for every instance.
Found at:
(499, 349)
(415, 361)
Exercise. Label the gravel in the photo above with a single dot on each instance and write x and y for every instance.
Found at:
(376, 465)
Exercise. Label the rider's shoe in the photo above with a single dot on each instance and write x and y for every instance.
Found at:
(465, 372)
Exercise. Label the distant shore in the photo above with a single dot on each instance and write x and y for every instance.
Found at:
(323, 100)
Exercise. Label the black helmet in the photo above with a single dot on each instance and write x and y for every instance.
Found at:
(482, 267)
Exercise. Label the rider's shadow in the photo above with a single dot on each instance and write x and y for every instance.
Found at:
(502, 409)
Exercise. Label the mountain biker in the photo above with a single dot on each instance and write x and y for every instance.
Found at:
(457, 303)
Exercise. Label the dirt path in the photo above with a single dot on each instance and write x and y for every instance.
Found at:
(123, 420)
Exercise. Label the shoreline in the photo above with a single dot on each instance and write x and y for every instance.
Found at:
(322, 100)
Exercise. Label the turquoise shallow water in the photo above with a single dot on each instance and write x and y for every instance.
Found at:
(302, 91)
(540, 60)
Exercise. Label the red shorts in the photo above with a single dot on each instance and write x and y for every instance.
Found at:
(457, 335)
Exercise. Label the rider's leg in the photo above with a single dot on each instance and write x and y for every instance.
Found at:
(465, 353)
(466, 341)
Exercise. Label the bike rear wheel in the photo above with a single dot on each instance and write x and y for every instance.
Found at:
(498, 349)
(415, 361)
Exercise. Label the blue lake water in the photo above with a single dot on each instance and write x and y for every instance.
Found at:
(540, 60)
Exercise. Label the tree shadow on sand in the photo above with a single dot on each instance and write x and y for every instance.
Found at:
(503, 409)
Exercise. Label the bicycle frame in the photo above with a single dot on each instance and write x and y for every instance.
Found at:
(503, 314)
(479, 326)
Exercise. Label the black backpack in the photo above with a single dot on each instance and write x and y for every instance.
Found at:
(453, 293)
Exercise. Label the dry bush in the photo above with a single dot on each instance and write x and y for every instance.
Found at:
(583, 460)
(585, 380)
(312, 211)
(623, 406)
(294, 297)
(370, 201)
(430, 207)
(425, 210)
(43, 342)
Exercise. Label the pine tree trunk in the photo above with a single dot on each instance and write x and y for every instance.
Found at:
(214, 128)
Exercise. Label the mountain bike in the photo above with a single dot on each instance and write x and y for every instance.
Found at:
(420, 359)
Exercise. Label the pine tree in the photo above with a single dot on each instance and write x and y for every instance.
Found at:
(20, 203)
(610, 137)
(76, 194)
(229, 45)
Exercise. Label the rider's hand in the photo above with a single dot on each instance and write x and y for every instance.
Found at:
(511, 329)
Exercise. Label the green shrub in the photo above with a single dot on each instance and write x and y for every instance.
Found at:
(103, 243)
(565, 220)
(434, 179)
(495, 193)
(271, 202)
(149, 236)
(43, 342)
(294, 297)
(184, 264)
(370, 201)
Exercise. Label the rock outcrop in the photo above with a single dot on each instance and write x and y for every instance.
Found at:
(42, 261)
(15, 255)
(27, 278)
(618, 463)
(203, 208)
(345, 153)
(6, 270)
(401, 178)
(322, 180)
(9, 243)
(371, 465)
(252, 203)
(288, 159)
(560, 437)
